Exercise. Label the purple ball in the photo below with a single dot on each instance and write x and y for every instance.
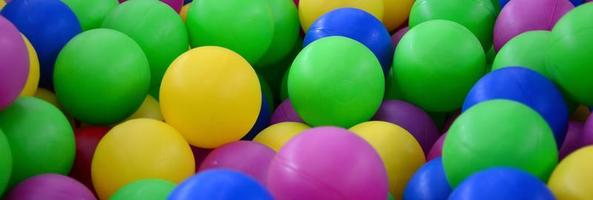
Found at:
(520, 16)
(14, 63)
(437, 149)
(248, 157)
(328, 163)
(397, 36)
(574, 138)
(411, 118)
(50, 187)
(285, 113)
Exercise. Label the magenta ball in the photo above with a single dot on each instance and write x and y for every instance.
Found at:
(411, 118)
(199, 155)
(327, 163)
(14, 63)
(520, 16)
(285, 113)
(175, 4)
(437, 149)
(397, 36)
(50, 187)
(296, 2)
(575, 138)
(248, 157)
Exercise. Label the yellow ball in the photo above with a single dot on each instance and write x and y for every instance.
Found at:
(33, 78)
(396, 12)
(573, 177)
(2, 4)
(149, 109)
(275, 136)
(139, 149)
(48, 96)
(183, 11)
(211, 95)
(310, 10)
(399, 150)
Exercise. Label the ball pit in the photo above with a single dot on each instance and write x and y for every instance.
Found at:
(33, 77)
(14, 63)
(145, 189)
(277, 135)
(87, 139)
(572, 178)
(50, 187)
(220, 184)
(528, 50)
(310, 10)
(285, 113)
(5, 162)
(90, 13)
(429, 182)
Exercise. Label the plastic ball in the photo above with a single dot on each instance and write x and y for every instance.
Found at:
(48, 24)
(87, 139)
(397, 36)
(335, 81)
(263, 120)
(204, 19)
(435, 71)
(200, 111)
(160, 33)
(199, 155)
(90, 13)
(33, 77)
(277, 135)
(5, 162)
(285, 113)
(437, 148)
(150, 108)
(400, 152)
(573, 177)
(311, 10)
(502, 183)
(528, 50)
(250, 158)
(183, 12)
(286, 32)
(411, 118)
(32, 127)
(355, 24)
(139, 149)
(50, 187)
(510, 133)
(14, 63)
(429, 182)
(527, 87)
(145, 189)
(575, 139)
(319, 164)
(569, 57)
(220, 184)
(396, 12)
(478, 16)
(174, 4)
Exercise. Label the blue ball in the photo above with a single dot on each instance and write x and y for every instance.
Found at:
(428, 183)
(220, 184)
(527, 87)
(262, 122)
(49, 25)
(357, 25)
(574, 2)
(502, 183)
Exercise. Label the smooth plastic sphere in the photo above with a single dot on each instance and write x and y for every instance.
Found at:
(94, 93)
(174, 4)
(429, 182)
(336, 81)
(285, 113)
(90, 13)
(183, 12)
(40, 138)
(14, 63)
(33, 77)
(397, 36)
(499, 133)
(437, 148)
(263, 119)
(140, 149)
(319, 164)
(311, 10)
(201, 111)
(573, 177)
(576, 137)
(87, 139)
(435, 71)
(396, 13)
(150, 108)
(277, 135)
(286, 32)
(145, 189)
(220, 184)
(5, 162)
(528, 50)
(50, 187)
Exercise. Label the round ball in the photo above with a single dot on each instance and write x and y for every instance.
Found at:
(87, 139)
(174, 4)
(499, 133)
(527, 87)
(50, 187)
(201, 111)
(397, 36)
(160, 33)
(435, 71)
(150, 108)
(5, 162)
(502, 183)
(49, 25)
(33, 77)
(183, 12)
(355, 24)
(318, 164)
(145, 189)
(572, 178)
(204, 19)
(14, 63)
(429, 182)
(311, 10)
(335, 81)
(287, 29)
(400, 152)
(437, 149)
(33, 127)
(109, 94)
(285, 113)
(520, 16)
(263, 119)
(138, 149)
(90, 13)
(277, 135)
(478, 16)
(396, 12)
(528, 50)
(575, 138)
(222, 184)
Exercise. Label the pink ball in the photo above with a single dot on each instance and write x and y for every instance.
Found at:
(50, 187)
(520, 16)
(248, 157)
(175, 4)
(437, 148)
(397, 36)
(328, 163)
(14, 63)
(296, 2)
(285, 113)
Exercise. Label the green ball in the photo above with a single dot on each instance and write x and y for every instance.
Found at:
(160, 33)
(476, 15)
(286, 32)
(528, 50)
(246, 27)
(336, 81)
(266, 91)
(5, 162)
(499, 133)
(571, 49)
(284, 86)
(435, 71)
(145, 189)
(390, 197)
(90, 13)
(101, 76)
(40, 138)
